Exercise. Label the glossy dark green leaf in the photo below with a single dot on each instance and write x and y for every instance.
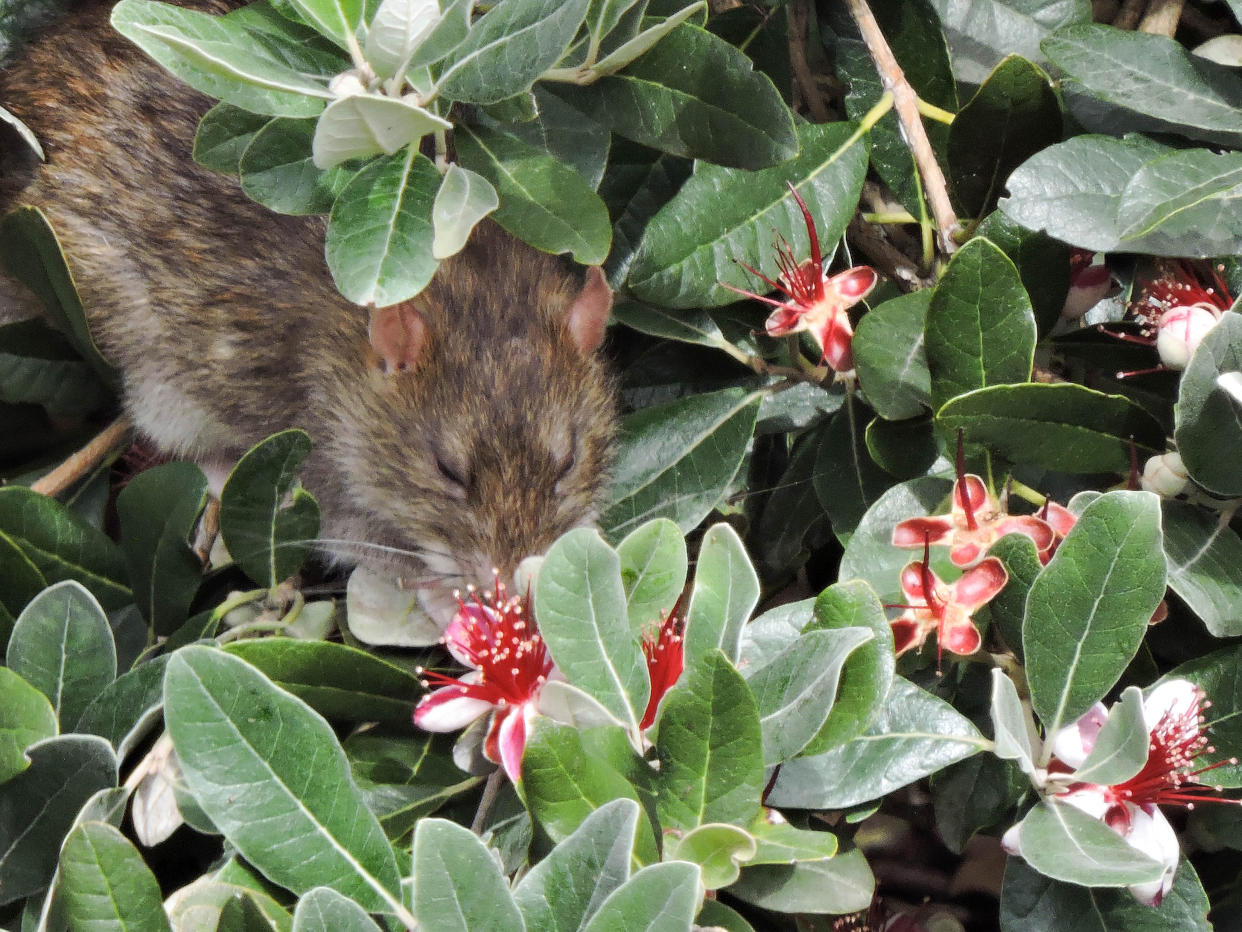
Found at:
(542, 200)
(1031, 902)
(567, 886)
(62, 546)
(254, 756)
(1219, 675)
(1043, 265)
(846, 479)
(726, 590)
(159, 510)
(276, 170)
(38, 806)
(1204, 559)
(980, 34)
(337, 681)
(1163, 86)
(509, 47)
(567, 134)
(457, 882)
(40, 367)
(220, 57)
(127, 708)
(721, 216)
(1008, 607)
(379, 236)
(658, 898)
(62, 646)
(699, 328)
(693, 95)
(325, 910)
(31, 253)
(268, 536)
(980, 324)
(890, 358)
(222, 136)
(1013, 115)
(1060, 426)
(1209, 419)
(867, 675)
(26, 716)
(677, 460)
(974, 794)
(1088, 610)
(20, 582)
(841, 884)
(903, 449)
(915, 734)
(563, 782)
(105, 885)
(793, 511)
(709, 747)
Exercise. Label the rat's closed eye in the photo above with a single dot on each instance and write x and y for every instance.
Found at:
(457, 475)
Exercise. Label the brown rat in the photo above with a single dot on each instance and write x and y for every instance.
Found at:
(471, 426)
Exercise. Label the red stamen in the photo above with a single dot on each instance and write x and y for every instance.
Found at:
(817, 262)
(963, 494)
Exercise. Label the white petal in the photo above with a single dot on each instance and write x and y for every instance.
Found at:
(1072, 744)
(1174, 695)
(1011, 841)
(1152, 834)
(448, 714)
(1090, 799)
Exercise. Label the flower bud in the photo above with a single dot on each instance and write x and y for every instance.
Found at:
(1088, 287)
(1180, 331)
(346, 84)
(1165, 475)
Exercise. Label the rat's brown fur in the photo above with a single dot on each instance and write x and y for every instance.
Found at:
(226, 326)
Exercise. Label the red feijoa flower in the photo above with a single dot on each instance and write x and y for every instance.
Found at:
(664, 649)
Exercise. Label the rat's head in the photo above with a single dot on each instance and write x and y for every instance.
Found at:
(488, 421)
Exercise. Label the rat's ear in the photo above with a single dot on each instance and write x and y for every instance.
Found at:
(398, 334)
(588, 315)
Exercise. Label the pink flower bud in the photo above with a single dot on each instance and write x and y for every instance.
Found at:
(1180, 330)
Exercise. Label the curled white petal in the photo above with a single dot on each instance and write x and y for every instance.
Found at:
(1171, 696)
(1072, 744)
(448, 714)
(1151, 833)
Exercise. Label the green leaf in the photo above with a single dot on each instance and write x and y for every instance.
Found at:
(580, 604)
(890, 359)
(325, 910)
(222, 58)
(904, 449)
(336, 19)
(1204, 557)
(511, 46)
(638, 181)
(223, 134)
(659, 898)
(717, 849)
(915, 734)
(710, 748)
(842, 884)
(867, 675)
(26, 716)
(255, 757)
(726, 590)
(267, 536)
(567, 886)
(566, 134)
(379, 234)
(568, 774)
(646, 40)
(781, 843)
(105, 885)
(1060, 426)
(975, 794)
(40, 367)
(1209, 419)
(1121, 746)
(698, 328)
(1011, 725)
(159, 510)
(980, 324)
(20, 582)
(793, 512)
(397, 30)
(693, 95)
(795, 692)
(1163, 86)
(127, 708)
(542, 200)
(678, 459)
(336, 681)
(846, 479)
(653, 570)
(363, 125)
(62, 646)
(277, 171)
(1043, 264)
(1031, 902)
(62, 546)
(457, 882)
(980, 34)
(448, 34)
(32, 254)
(721, 215)
(39, 805)
(1008, 607)
(463, 200)
(1088, 610)
(1013, 115)
(1065, 843)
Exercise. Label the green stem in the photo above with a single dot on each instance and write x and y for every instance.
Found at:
(1026, 493)
(932, 112)
(892, 216)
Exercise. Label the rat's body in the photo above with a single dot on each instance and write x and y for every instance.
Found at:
(226, 327)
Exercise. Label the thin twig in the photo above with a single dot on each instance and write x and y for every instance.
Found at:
(82, 462)
(882, 254)
(208, 528)
(491, 790)
(1162, 17)
(1130, 14)
(906, 103)
(804, 79)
